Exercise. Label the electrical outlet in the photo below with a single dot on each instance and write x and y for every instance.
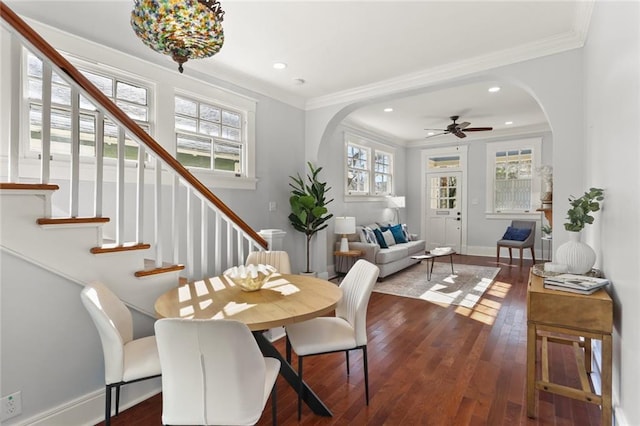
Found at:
(11, 405)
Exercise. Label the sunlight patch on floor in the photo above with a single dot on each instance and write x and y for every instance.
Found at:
(485, 310)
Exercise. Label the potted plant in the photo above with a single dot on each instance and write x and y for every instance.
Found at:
(578, 256)
(578, 214)
(309, 214)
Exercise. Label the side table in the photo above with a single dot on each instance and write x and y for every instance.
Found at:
(346, 259)
(573, 319)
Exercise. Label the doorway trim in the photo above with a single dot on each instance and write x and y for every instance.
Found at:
(458, 150)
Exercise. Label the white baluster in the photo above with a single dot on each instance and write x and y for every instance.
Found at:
(45, 170)
(140, 197)
(74, 189)
(120, 189)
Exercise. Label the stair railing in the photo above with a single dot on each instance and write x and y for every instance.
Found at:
(207, 251)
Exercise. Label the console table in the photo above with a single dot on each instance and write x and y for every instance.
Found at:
(574, 319)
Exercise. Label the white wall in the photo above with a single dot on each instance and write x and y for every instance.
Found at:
(612, 129)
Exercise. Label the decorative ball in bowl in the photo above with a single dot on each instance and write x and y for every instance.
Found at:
(250, 277)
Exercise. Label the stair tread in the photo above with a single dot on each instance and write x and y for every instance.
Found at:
(111, 248)
(29, 186)
(70, 220)
(150, 268)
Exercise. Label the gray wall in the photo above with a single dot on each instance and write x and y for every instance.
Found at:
(612, 126)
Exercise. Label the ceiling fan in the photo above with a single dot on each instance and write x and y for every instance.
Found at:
(458, 129)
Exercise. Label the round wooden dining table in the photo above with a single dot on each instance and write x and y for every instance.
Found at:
(283, 300)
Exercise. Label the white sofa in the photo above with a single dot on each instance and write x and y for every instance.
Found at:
(389, 260)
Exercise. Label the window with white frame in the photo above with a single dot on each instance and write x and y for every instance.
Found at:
(511, 187)
(209, 136)
(131, 97)
(369, 170)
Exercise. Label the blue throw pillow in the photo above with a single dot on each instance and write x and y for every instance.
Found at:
(381, 242)
(398, 234)
(516, 234)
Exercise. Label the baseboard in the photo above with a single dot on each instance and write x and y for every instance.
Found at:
(504, 253)
(89, 409)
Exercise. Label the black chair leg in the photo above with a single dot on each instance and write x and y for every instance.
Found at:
(107, 406)
(347, 353)
(288, 350)
(117, 400)
(366, 372)
(274, 406)
(300, 387)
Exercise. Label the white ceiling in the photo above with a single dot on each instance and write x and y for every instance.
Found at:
(358, 49)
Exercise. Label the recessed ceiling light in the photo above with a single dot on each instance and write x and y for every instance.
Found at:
(494, 89)
(279, 65)
(508, 123)
(388, 110)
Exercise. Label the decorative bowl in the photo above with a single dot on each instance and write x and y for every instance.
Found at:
(250, 277)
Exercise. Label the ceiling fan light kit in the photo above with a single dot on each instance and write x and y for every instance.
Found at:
(459, 129)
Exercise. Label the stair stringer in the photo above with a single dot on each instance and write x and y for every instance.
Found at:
(64, 249)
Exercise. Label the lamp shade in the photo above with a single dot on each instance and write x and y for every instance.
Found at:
(344, 225)
(397, 202)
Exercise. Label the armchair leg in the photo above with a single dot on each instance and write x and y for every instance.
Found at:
(510, 256)
(520, 256)
(533, 255)
(497, 254)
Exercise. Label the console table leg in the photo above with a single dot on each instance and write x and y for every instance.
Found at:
(607, 414)
(531, 371)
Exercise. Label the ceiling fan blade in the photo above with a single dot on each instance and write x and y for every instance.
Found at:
(460, 134)
(438, 130)
(437, 134)
(477, 129)
(463, 125)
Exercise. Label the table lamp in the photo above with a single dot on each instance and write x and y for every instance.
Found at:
(397, 203)
(345, 225)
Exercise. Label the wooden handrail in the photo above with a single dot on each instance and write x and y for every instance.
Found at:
(120, 116)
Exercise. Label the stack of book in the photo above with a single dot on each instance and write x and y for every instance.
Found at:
(580, 284)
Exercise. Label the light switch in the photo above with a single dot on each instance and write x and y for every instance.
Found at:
(272, 206)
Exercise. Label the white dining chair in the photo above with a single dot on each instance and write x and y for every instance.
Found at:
(278, 259)
(213, 373)
(346, 331)
(126, 360)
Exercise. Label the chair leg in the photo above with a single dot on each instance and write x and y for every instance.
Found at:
(288, 350)
(497, 254)
(300, 387)
(533, 255)
(366, 372)
(117, 400)
(107, 406)
(347, 354)
(274, 406)
(510, 256)
(521, 256)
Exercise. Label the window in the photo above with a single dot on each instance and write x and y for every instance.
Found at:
(209, 136)
(510, 180)
(369, 170)
(131, 97)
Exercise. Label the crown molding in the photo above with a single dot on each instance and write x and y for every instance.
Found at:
(544, 47)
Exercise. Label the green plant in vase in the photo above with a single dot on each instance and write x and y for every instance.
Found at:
(309, 213)
(579, 213)
(578, 256)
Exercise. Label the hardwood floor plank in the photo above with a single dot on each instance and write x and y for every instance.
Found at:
(430, 365)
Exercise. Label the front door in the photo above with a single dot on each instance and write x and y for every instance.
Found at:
(443, 210)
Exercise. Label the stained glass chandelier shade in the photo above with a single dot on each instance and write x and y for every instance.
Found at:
(184, 29)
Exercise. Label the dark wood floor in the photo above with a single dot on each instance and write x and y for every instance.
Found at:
(430, 365)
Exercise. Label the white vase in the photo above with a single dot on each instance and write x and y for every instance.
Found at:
(578, 256)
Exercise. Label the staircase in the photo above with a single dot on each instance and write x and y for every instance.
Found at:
(141, 231)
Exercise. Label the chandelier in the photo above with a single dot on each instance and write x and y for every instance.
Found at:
(184, 29)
